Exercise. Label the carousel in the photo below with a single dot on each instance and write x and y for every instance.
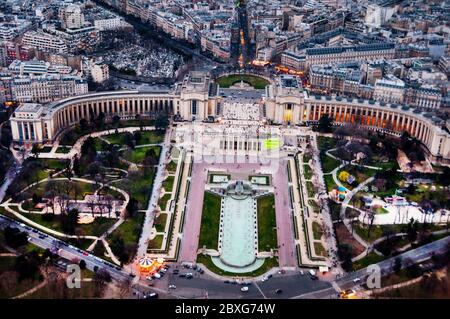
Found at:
(150, 266)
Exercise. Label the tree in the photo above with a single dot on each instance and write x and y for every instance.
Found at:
(129, 140)
(132, 207)
(35, 150)
(397, 265)
(345, 255)
(137, 135)
(151, 159)
(109, 203)
(82, 264)
(76, 166)
(51, 192)
(69, 222)
(27, 266)
(161, 122)
(92, 203)
(84, 125)
(116, 120)
(411, 229)
(325, 124)
(343, 176)
(15, 238)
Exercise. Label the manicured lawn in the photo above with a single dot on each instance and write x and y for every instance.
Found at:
(160, 222)
(172, 167)
(163, 201)
(78, 190)
(329, 182)
(255, 81)
(325, 143)
(130, 229)
(308, 172)
(45, 149)
(156, 242)
(167, 184)
(360, 174)
(147, 137)
(209, 230)
(63, 149)
(317, 230)
(328, 163)
(370, 259)
(138, 186)
(320, 250)
(269, 263)
(311, 189)
(267, 234)
(96, 228)
(137, 155)
(307, 157)
(314, 206)
(109, 191)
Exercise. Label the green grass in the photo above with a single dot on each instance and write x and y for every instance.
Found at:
(308, 172)
(311, 189)
(160, 222)
(315, 207)
(209, 230)
(325, 143)
(307, 157)
(255, 81)
(167, 184)
(139, 187)
(267, 234)
(109, 191)
(328, 163)
(63, 149)
(45, 149)
(147, 137)
(171, 167)
(329, 182)
(156, 242)
(130, 229)
(370, 259)
(162, 202)
(317, 230)
(320, 250)
(137, 155)
(97, 228)
(83, 188)
(269, 263)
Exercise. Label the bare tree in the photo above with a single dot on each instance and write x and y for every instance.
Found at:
(109, 203)
(92, 203)
(51, 192)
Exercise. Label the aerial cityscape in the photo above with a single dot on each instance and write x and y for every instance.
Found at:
(224, 149)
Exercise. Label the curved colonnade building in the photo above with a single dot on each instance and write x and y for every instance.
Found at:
(198, 97)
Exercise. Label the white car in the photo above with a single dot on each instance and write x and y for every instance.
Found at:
(356, 280)
(172, 287)
(244, 289)
(302, 272)
(157, 276)
(264, 279)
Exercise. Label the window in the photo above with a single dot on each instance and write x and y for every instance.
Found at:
(194, 107)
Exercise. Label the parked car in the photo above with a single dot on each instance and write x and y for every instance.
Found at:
(244, 289)
(152, 295)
